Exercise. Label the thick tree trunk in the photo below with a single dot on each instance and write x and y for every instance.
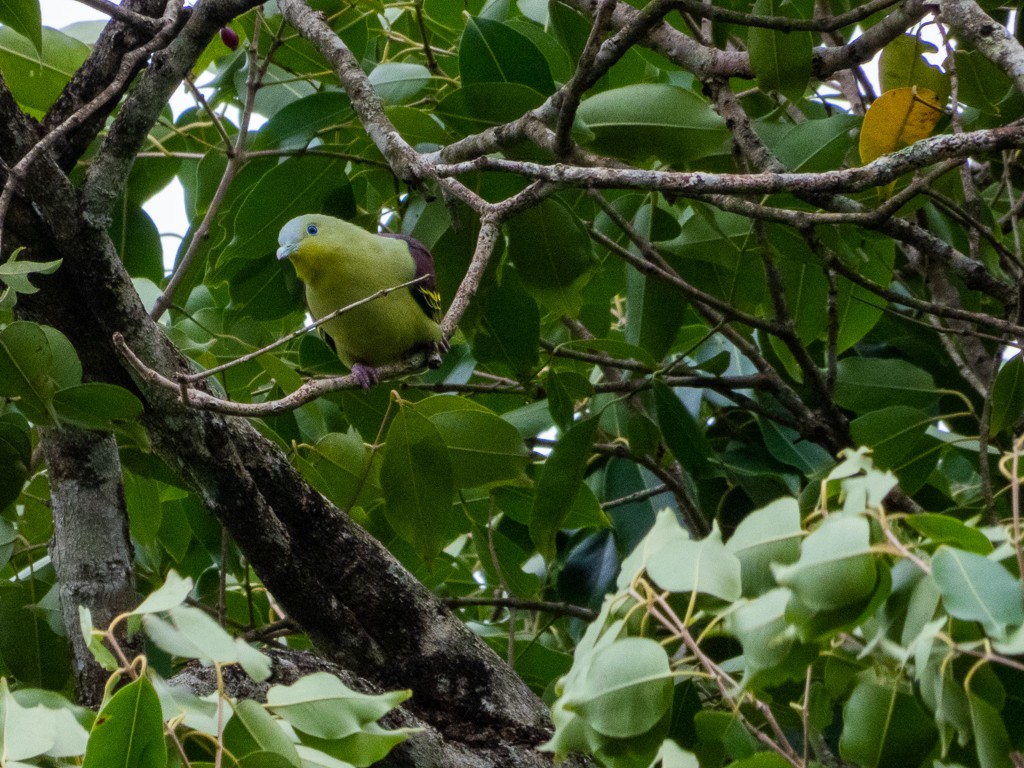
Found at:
(91, 548)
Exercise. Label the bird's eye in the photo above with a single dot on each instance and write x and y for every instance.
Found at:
(311, 229)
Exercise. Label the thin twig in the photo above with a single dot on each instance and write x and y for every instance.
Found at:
(572, 92)
(236, 159)
(704, 10)
(561, 609)
(632, 498)
(146, 24)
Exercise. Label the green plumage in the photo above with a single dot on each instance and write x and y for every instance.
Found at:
(341, 263)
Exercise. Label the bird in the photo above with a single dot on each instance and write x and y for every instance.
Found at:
(341, 263)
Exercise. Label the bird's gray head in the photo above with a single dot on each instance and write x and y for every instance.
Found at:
(295, 231)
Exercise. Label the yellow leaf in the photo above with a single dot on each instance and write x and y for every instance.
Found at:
(896, 120)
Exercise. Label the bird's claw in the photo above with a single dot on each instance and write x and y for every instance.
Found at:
(437, 349)
(365, 375)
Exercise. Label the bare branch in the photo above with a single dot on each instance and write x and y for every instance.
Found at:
(990, 37)
(875, 174)
(145, 24)
(702, 10)
(561, 609)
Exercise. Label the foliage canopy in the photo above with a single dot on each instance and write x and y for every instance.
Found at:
(722, 460)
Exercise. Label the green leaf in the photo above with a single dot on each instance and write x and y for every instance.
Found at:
(96, 405)
(15, 459)
(29, 732)
(727, 730)
(762, 760)
(478, 106)
(15, 274)
(485, 449)
(943, 529)
(883, 726)
(137, 241)
(27, 370)
(648, 119)
(322, 706)
(781, 60)
(260, 759)
(418, 128)
(509, 327)
(680, 430)
(129, 730)
(68, 722)
(991, 741)
(549, 245)
(858, 310)
(762, 629)
(496, 550)
(892, 433)
(615, 348)
(23, 17)
(626, 689)
(418, 483)
(805, 286)
(786, 445)
(868, 383)
(339, 467)
(8, 537)
(36, 81)
(975, 588)
(94, 642)
(295, 125)
(559, 483)
(671, 755)
(252, 729)
(903, 65)
(769, 535)
(314, 758)
(67, 368)
(296, 186)
(813, 145)
(170, 594)
(666, 533)
(493, 52)
(363, 748)
(29, 649)
(1007, 396)
(705, 566)
(142, 497)
(560, 404)
(653, 318)
(398, 82)
(984, 85)
(192, 634)
(836, 567)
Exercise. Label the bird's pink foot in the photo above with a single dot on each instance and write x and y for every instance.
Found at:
(365, 375)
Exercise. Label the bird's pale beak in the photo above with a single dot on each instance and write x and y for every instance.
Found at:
(286, 250)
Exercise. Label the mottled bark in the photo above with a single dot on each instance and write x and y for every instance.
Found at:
(429, 747)
(116, 40)
(91, 548)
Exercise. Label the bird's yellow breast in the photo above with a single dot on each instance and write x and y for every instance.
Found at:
(341, 270)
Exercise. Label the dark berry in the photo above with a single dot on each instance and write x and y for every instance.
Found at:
(229, 37)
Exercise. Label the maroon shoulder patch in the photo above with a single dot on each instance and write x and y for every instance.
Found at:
(425, 292)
